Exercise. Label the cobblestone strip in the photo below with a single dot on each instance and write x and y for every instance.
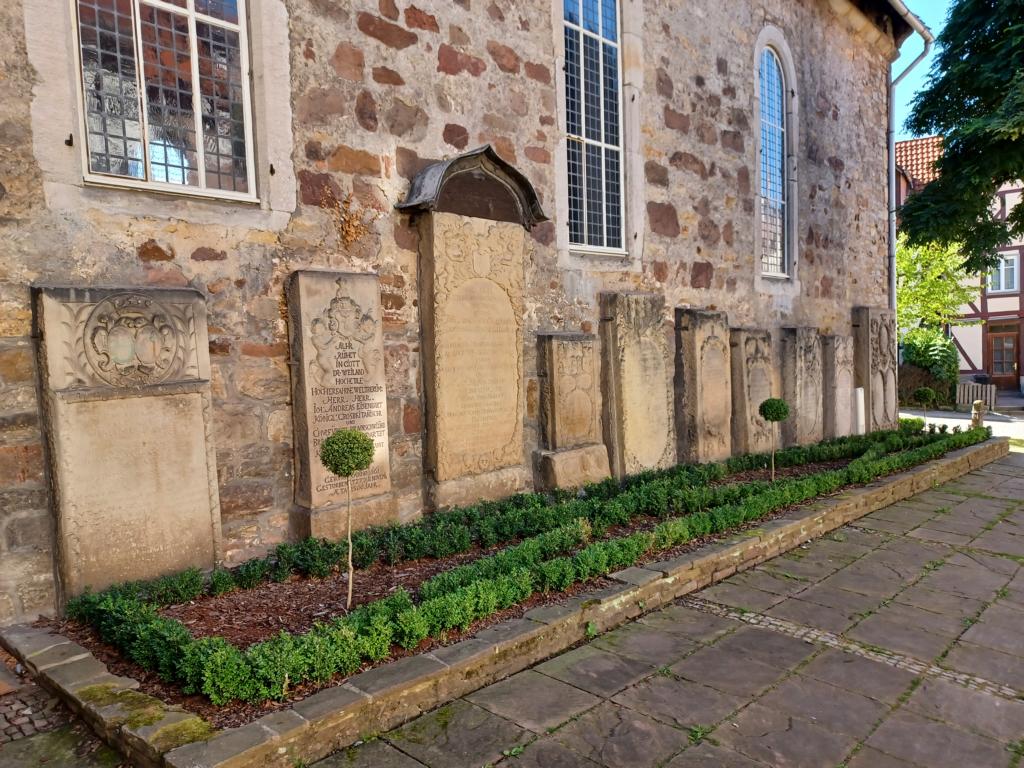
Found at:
(832, 640)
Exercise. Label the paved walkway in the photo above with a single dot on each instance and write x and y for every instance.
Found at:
(896, 641)
(1009, 424)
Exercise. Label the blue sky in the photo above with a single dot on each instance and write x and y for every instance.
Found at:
(933, 14)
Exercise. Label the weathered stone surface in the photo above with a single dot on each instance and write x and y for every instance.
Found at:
(472, 312)
(338, 381)
(751, 366)
(837, 385)
(875, 363)
(636, 383)
(127, 385)
(703, 386)
(573, 467)
(567, 369)
(802, 386)
(534, 701)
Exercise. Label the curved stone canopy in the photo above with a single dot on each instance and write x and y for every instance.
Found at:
(477, 183)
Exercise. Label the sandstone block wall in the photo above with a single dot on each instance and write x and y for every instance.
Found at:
(351, 100)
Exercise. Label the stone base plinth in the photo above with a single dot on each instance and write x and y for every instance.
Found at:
(331, 522)
(488, 486)
(574, 467)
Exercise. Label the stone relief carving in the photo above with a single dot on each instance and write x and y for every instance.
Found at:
(715, 408)
(811, 400)
(124, 339)
(343, 327)
(883, 369)
(478, 319)
(757, 357)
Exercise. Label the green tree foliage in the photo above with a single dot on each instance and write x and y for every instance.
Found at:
(931, 284)
(344, 453)
(974, 99)
(931, 349)
(772, 410)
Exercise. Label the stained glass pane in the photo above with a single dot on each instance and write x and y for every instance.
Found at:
(573, 85)
(571, 9)
(110, 85)
(611, 95)
(226, 10)
(221, 93)
(773, 165)
(167, 76)
(575, 157)
(613, 199)
(592, 87)
(591, 16)
(595, 203)
(609, 20)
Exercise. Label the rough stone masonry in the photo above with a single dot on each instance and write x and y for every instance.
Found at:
(349, 102)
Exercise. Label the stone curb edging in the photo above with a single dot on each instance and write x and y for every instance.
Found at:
(153, 734)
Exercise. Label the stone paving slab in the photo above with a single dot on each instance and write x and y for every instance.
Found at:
(826, 656)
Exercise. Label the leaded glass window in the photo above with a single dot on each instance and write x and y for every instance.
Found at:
(165, 85)
(593, 122)
(774, 191)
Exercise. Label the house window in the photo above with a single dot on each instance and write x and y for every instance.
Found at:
(774, 192)
(1003, 277)
(593, 123)
(166, 96)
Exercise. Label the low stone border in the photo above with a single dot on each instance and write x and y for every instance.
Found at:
(151, 733)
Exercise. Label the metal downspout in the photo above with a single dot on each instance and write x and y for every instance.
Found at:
(915, 24)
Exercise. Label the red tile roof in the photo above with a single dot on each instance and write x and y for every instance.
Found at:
(917, 158)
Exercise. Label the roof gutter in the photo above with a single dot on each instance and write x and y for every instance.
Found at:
(918, 26)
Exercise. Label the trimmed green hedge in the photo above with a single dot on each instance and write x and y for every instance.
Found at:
(681, 489)
(223, 673)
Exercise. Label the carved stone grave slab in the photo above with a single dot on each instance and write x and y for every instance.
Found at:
(703, 386)
(338, 382)
(837, 383)
(875, 364)
(802, 386)
(751, 365)
(569, 416)
(636, 384)
(126, 383)
(472, 314)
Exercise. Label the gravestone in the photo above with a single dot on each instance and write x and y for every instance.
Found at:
(751, 364)
(636, 385)
(875, 364)
(473, 213)
(125, 379)
(837, 383)
(338, 382)
(703, 386)
(472, 314)
(802, 386)
(570, 425)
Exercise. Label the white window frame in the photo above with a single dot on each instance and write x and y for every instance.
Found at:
(1000, 268)
(787, 282)
(584, 248)
(109, 180)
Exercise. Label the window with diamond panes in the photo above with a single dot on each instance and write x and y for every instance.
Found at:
(774, 181)
(593, 97)
(165, 86)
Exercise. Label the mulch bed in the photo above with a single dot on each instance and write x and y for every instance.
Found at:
(244, 617)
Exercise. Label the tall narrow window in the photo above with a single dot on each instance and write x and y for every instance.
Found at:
(593, 124)
(774, 181)
(166, 94)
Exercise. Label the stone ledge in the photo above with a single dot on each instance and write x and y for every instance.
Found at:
(387, 696)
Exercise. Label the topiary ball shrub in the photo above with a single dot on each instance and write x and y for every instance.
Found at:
(346, 452)
(774, 409)
(924, 395)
